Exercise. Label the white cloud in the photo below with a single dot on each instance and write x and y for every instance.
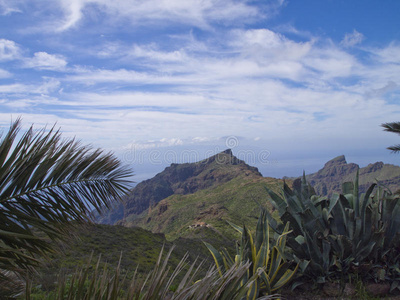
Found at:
(252, 83)
(8, 7)
(5, 74)
(164, 142)
(330, 62)
(18, 103)
(45, 61)
(9, 50)
(352, 39)
(190, 12)
(47, 86)
(389, 54)
(151, 52)
(110, 49)
(95, 76)
(73, 13)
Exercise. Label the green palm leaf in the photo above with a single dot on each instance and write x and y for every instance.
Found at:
(45, 183)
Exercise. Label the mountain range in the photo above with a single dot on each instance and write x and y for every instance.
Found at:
(194, 200)
(336, 171)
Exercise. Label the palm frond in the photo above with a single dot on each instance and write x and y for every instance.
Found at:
(392, 127)
(45, 183)
(394, 149)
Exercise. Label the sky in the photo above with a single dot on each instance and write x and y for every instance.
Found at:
(286, 84)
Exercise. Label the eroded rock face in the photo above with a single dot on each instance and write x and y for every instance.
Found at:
(336, 171)
(329, 178)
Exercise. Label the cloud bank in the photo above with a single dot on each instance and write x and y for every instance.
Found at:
(154, 74)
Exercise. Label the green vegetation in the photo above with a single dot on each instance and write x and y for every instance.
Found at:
(94, 283)
(347, 235)
(45, 184)
(236, 201)
(269, 271)
(48, 187)
(138, 249)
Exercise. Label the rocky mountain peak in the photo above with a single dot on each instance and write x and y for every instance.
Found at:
(187, 178)
(373, 167)
(337, 161)
(329, 179)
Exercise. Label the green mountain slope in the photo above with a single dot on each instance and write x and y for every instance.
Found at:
(137, 247)
(195, 200)
(187, 178)
(203, 214)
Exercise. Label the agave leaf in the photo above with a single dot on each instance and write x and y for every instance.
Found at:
(219, 262)
(278, 202)
(347, 187)
(260, 229)
(285, 278)
(253, 291)
(365, 202)
(339, 221)
(228, 258)
(326, 250)
(392, 220)
(236, 227)
(295, 204)
(356, 192)
(333, 201)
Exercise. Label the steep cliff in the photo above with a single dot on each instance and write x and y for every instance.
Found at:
(336, 171)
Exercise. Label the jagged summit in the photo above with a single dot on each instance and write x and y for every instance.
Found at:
(228, 151)
(336, 171)
(339, 160)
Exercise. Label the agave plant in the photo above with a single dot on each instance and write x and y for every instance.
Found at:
(269, 270)
(386, 255)
(45, 184)
(309, 217)
(355, 232)
(348, 233)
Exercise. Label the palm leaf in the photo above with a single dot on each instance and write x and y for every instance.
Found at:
(45, 183)
(395, 128)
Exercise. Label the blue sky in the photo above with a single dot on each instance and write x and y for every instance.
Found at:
(286, 84)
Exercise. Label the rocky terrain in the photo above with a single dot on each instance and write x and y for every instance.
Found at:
(195, 200)
(188, 178)
(336, 171)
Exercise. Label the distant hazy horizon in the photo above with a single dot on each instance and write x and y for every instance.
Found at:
(148, 163)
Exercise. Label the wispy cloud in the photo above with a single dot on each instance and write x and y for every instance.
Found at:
(47, 86)
(9, 50)
(196, 13)
(45, 61)
(9, 7)
(352, 39)
(390, 54)
(5, 74)
(175, 73)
